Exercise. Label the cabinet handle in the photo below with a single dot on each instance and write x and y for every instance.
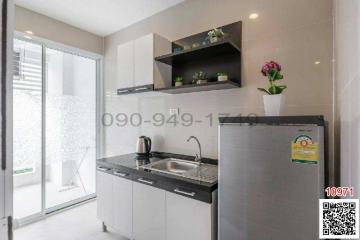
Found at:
(145, 181)
(123, 91)
(121, 174)
(140, 88)
(185, 193)
(103, 169)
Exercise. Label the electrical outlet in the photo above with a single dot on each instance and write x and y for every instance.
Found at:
(174, 111)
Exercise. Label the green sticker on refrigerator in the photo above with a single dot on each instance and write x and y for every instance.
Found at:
(304, 150)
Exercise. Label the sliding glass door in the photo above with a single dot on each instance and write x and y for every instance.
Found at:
(27, 125)
(70, 127)
(55, 94)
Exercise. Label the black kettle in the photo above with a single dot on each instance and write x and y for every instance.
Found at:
(143, 145)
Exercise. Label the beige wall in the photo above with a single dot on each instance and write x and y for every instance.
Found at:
(347, 75)
(294, 33)
(51, 29)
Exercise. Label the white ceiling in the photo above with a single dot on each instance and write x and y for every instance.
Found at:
(101, 17)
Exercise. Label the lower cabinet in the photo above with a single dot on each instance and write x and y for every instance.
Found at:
(104, 197)
(114, 201)
(148, 212)
(188, 219)
(122, 206)
(140, 211)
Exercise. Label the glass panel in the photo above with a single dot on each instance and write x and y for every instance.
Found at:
(70, 127)
(27, 107)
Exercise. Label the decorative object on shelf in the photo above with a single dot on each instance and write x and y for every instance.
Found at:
(186, 47)
(177, 50)
(199, 78)
(221, 76)
(179, 81)
(215, 35)
(204, 43)
(195, 45)
(274, 100)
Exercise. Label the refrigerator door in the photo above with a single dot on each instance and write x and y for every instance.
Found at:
(263, 194)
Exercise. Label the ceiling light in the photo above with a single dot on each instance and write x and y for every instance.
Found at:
(317, 62)
(29, 32)
(253, 16)
(27, 37)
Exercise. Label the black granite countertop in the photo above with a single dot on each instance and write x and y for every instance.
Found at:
(129, 164)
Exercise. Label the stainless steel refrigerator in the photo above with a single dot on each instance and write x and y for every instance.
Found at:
(271, 176)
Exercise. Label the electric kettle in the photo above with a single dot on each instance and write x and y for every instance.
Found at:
(143, 145)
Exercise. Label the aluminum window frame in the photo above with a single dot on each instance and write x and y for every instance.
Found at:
(99, 59)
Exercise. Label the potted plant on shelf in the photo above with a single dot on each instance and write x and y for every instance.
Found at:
(221, 76)
(215, 35)
(179, 81)
(274, 100)
(199, 78)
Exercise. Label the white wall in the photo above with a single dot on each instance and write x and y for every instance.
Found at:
(347, 74)
(294, 33)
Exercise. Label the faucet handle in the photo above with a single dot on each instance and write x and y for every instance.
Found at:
(197, 158)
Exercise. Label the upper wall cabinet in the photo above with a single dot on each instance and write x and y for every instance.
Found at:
(125, 65)
(136, 69)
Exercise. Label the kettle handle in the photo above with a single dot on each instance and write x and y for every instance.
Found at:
(148, 145)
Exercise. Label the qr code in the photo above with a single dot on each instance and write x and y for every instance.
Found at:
(339, 218)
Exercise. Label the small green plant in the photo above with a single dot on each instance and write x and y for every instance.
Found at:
(179, 79)
(272, 70)
(198, 76)
(221, 74)
(216, 33)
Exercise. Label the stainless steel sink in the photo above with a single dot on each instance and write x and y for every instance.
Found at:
(186, 169)
(174, 165)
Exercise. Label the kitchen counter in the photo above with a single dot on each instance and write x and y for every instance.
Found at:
(128, 166)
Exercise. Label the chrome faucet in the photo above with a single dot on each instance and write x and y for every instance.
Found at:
(197, 157)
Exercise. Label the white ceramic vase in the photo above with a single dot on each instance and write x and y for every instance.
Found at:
(222, 78)
(273, 104)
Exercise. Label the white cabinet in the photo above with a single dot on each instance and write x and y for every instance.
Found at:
(136, 66)
(188, 218)
(143, 212)
(122, 206)
(148, 212)
(104, 197)
(144, 60)
(114, 201)
(125, 65)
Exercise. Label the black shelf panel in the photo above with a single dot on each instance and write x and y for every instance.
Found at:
(200, 53)
(210, 86)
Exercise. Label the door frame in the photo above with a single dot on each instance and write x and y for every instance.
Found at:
(44, 43)
(6, 169)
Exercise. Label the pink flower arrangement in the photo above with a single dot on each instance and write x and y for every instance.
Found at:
(272, 70)
(268, 66)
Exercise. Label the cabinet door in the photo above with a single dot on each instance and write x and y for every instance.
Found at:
(104, 197)
(125, 65)
(148, 212)
(187, 218)
(122, 206)
(144, 60)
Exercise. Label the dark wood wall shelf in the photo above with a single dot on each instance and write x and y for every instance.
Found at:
(210, 86)
(211, 58)
(200, 53)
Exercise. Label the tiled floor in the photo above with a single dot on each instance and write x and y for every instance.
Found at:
(79, 223)
(54, 196)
